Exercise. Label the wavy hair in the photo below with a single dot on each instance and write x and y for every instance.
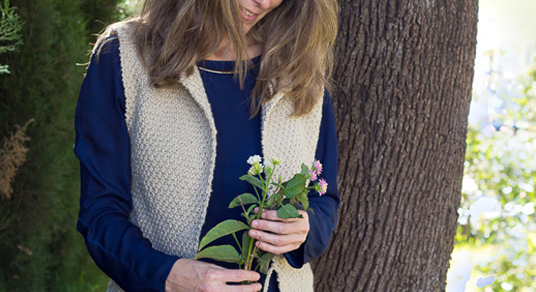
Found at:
(297, 39)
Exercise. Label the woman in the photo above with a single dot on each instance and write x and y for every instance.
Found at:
(173, 103)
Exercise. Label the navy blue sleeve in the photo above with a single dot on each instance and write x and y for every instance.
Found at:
(102, 145)
(323, 220)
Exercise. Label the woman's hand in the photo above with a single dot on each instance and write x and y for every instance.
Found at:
(277, 235)
(191, 275)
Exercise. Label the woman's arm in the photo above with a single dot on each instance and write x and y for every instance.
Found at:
(103, 148)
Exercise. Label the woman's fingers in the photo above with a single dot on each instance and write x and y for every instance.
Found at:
(272, 215)
(282, 227)
(272, 223)
(236, 276)
(276, 243)
(278, 235)
(279, 246)
(193, 275)
(277, 239)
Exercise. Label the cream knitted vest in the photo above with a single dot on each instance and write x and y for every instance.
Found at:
(173, 153)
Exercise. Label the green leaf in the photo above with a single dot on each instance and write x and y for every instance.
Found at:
(246, 198)
(288, 211)
(304, 199)
(252, 180)
(304, 169)
(271, 199)
(224, 228)
(248, 213)
(264, 262)
(223, 253)
(251, 209)
(245, 243)
(252, 216)
(295, 186)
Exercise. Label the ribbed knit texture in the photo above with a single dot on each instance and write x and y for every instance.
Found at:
(173, 152)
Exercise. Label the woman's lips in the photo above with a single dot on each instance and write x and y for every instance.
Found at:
(248, 15)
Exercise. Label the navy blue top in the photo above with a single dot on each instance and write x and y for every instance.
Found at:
(103, 147)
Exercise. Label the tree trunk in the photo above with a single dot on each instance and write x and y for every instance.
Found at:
(401, 94)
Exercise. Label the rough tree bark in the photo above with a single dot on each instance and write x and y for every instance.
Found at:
(402, 89)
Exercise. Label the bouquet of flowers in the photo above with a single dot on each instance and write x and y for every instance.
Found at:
(284, 196)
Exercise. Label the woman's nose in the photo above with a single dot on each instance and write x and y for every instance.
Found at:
(265, 4)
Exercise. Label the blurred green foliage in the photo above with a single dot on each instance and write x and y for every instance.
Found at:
(105, 12)
(40, 249)
(499, 181)
(10, 26)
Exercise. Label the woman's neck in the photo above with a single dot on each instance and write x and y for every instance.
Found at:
(226, 52)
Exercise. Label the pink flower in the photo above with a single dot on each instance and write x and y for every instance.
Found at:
(317, 167)
(313, 175)
(316, 170)
(323, 186)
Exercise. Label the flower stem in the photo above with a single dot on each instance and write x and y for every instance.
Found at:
(251, 254)
(245, 212)
(236, 239)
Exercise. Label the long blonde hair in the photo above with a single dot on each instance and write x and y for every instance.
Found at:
(297, 37)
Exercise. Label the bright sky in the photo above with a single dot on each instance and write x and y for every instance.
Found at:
(506, 23)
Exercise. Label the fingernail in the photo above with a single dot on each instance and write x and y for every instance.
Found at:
(255, 224)
(263, 215)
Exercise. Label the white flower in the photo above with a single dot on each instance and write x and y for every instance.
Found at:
(268, 167)
(275, 160)
(251, 170)
(253, 159)
(255, 169)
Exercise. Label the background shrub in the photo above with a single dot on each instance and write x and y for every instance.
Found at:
(40, 249)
